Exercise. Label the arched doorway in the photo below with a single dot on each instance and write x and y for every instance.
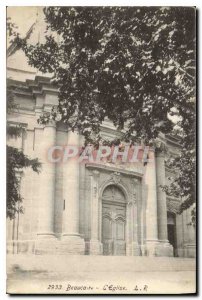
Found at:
(113, 221)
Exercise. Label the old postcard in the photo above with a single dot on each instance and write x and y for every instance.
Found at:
(101, 141)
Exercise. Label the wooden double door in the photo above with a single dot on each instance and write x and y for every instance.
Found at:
(113, 222)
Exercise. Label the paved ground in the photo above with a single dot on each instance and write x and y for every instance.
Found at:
(99, 274)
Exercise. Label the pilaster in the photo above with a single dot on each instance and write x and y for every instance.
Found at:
(164, 247)
(95, 244)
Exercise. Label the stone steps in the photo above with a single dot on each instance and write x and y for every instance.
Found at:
(85, 263)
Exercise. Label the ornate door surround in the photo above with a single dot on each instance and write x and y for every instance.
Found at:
(129, 185)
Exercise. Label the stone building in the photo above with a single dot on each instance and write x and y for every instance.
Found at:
(88, 208)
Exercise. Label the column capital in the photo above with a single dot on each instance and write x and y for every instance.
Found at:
(51, 123)
(160, 148)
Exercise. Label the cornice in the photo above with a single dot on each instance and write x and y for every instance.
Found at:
(40, 86)
(114, 169)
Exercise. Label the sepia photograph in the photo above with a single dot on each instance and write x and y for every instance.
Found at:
(101, 150)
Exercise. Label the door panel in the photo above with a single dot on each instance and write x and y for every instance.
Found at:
(113, 228)
(107, 235)
(120, 230)
(107, 228)
(119, 241)
(108, 247)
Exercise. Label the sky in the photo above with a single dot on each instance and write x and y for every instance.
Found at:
(23, 17)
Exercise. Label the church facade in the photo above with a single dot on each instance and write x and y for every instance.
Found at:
(90, 208)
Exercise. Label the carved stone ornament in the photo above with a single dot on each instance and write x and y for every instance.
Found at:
(133, 199)
(134, 196)
(116, 178)
(95, 191)
(96, 173)
(135, 180)
(131, 202)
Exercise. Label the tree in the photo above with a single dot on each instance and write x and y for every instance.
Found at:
(17, 161)
(133, 65)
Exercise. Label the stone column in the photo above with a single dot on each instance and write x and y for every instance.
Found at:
(164, 248)
(95, 245)
(47, 191)
(132, 207)
(46, 240)
(151, 205)
(70, 235)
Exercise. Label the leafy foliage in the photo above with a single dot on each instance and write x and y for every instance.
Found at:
(16, 162)
(11, 28)
(16, 159)
(132, 65)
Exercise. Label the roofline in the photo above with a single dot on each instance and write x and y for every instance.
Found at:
(14, 46)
